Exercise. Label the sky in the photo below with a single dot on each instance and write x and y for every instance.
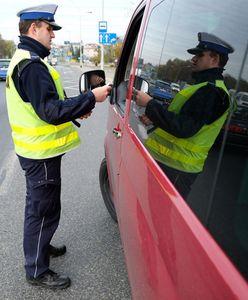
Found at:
(70, 14)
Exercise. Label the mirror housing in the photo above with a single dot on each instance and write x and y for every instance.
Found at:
(86, 80)
(141, 84)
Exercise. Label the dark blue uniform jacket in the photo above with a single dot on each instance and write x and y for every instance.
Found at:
(35, 85)
(205, 106)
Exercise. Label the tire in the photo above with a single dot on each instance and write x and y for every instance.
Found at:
(105, 190)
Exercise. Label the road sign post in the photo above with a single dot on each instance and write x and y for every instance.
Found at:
(103, 25)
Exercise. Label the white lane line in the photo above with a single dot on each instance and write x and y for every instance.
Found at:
(70, 86)
(7, 173)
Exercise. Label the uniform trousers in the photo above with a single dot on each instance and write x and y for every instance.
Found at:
(42, 210)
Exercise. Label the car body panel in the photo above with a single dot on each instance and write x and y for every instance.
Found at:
(162, 91)
(169, 253)
(166, 248)
(113, 148)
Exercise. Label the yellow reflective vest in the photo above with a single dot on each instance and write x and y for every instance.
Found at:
(186, 154)
(34, 138)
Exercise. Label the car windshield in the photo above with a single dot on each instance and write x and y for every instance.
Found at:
(4, 63)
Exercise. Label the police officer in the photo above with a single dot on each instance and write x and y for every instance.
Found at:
(42, 132)
(186, 131)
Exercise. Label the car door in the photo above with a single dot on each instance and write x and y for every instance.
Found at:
(169, 253)
(147, 273)
(117, 129)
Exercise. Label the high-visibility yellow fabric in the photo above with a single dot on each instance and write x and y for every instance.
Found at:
(185, 154)
(33, 137)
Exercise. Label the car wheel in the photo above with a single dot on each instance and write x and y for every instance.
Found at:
(105, 189)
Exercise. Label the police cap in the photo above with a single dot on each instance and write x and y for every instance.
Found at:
(208, 41)
(44, 13)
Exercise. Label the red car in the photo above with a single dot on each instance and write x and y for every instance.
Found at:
(177, 249)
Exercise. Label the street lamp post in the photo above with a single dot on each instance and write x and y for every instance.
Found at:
(81, 44)
(102, 47)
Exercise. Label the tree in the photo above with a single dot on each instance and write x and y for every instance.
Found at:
(97, 58)
(7, 48)
(118, 48)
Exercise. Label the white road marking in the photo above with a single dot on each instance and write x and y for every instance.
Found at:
(7, 173)
(71, 88)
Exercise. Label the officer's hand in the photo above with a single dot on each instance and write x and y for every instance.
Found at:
(86, 115)
(101, 93)
(141, 98)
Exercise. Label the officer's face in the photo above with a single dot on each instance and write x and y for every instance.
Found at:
(45, 34)
(204, 60)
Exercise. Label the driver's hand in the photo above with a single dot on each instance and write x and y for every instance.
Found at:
(141, 98)
(96, 81)
(145, 120)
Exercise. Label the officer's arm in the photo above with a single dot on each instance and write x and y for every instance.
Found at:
(40, 91)
(196, 112)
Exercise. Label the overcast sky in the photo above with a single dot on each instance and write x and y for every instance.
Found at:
(117, 13)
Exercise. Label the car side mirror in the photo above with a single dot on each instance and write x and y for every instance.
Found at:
(141, 84)
(91, 79)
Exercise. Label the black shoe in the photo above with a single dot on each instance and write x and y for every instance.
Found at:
(56, 251)
(50, 280)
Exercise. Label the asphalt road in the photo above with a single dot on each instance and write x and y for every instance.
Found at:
(94, 259)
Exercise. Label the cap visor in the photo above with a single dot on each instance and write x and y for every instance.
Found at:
(53, 24)
(195, 50)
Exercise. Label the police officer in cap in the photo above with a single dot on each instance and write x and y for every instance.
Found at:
(42, 131)
(187, 129)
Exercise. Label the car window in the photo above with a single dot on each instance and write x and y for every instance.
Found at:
(148, 61)
(4, 63)
(123, 70)
(226, 215)
(219, 196)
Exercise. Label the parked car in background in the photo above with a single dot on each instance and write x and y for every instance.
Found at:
(175, 87)
(237, 124)
(161, 90)
(237, 129)
(53, 61)
(242, 99)
(4, 64)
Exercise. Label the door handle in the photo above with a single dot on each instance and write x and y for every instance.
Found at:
(117, 132)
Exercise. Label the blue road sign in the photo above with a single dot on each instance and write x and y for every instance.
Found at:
(107, 38)
(102, 26)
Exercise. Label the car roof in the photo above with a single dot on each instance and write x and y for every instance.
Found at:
(161, 81)
(242, 93)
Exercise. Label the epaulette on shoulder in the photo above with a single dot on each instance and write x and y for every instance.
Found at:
(24, 63)
(212, 83)
(34, 57)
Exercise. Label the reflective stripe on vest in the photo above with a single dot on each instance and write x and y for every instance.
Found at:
(33, 137)
(187, 154)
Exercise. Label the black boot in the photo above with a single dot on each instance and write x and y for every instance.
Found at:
(50, 280)
(56, 251)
